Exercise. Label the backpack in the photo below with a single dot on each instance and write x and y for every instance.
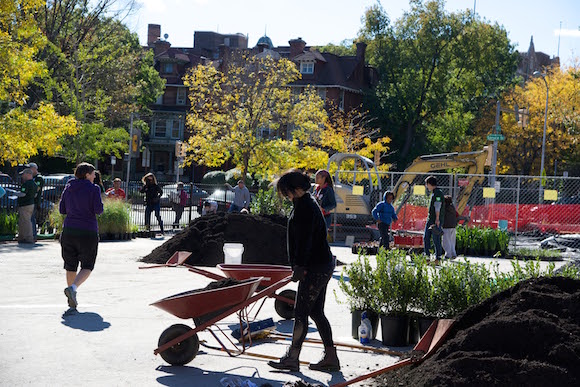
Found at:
(450, 219)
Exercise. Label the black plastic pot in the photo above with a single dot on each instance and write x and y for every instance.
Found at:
(424, 323)
(395, 330)
(356, 316)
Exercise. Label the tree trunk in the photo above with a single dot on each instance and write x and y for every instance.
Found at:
(409, 133)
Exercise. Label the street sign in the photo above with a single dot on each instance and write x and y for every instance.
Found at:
(495, 137)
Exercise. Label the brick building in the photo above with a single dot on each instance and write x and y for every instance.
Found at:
(340, 80)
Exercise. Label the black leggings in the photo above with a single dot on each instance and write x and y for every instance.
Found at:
(310, 303)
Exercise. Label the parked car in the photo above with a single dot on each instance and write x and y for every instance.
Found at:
(223, 198)
(57, 181)
(195, 195)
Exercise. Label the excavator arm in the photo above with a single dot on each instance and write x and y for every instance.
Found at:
(473, 161)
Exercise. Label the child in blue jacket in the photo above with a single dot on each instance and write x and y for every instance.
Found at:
(384, 213)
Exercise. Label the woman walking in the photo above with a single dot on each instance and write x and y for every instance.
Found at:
(152, 193)
(312, 264)
(324, 194)
(81, 203)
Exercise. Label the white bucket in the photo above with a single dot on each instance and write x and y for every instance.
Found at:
(233, 253)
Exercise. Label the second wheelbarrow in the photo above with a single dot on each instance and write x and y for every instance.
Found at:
(179, 343)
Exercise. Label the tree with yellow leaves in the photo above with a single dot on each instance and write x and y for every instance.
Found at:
(521, 151)
(24, 131)
(246, 112)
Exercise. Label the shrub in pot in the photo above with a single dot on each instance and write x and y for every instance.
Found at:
(357, 284)
(396, 287)
(459, 286)
(425, 301)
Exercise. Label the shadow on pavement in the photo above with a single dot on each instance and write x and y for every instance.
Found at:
(86, 321)
(286, 326)
(178, 376)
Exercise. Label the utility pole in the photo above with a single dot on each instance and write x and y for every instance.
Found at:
(495, 139)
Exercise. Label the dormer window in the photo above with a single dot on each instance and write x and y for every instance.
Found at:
(168, 68)
(306, 67)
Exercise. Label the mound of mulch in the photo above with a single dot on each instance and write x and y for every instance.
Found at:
(263, 237)
(528, 335)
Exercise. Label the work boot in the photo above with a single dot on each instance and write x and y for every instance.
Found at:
(289, 361)
(329, 362)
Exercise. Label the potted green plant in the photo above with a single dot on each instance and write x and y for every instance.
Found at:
(357, 284)
(396, 286)
(8, 225)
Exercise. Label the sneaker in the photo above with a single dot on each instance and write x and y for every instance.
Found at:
(71, 295)
(70, 312)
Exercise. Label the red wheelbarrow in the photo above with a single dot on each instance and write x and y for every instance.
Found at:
(179, 343)
(270, 274)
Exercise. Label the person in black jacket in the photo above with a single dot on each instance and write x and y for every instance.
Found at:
(312, 265)
(152, 193)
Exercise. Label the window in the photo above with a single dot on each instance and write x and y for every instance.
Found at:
(341, 100)
(307, 67)
(159, 100)
(160, 128)
(168, 68)
(322, 94)
(181, 95)
(175, 128)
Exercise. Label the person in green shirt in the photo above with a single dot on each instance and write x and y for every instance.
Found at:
(435, 219)
(26, 207)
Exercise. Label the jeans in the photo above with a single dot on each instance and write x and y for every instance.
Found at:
(436, 240)
(148, 210)
(385, 235)
(33, 221)
(234, 208)
(449, 239)
(310, 300)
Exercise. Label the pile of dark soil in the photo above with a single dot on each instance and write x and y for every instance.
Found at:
(263, 237)
(528, 335)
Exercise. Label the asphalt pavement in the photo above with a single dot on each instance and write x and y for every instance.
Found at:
(110, 341)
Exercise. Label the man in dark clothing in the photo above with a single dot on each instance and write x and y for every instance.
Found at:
(435, 218)
(26, 207)
(39, 181)
(312, 264)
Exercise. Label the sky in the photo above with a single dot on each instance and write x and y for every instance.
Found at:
(554, 24)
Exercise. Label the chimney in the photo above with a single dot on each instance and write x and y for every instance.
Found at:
(296, 47)
(360, 51)
(153, 33)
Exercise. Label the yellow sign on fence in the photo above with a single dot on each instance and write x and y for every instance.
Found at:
(419, 190)
(358, 190)
(488, 193)
(551, 194)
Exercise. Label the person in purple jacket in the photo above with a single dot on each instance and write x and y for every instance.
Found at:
(81, 203)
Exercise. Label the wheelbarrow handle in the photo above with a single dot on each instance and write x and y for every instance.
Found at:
(206, 273)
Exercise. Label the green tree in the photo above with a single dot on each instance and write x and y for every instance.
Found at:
(344, 48)
(24, 130)
(436, 70)
(98, 73)
(246, 113)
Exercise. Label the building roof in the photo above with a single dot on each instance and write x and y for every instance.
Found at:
(265, 41)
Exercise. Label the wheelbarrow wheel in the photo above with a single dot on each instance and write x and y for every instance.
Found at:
(183, 352)
(283, 308)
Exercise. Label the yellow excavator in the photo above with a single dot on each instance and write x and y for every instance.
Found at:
(474, 162)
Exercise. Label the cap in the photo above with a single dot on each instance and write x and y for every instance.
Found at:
(180, 185)
(117, 179)
(32, 165)
(25, 171)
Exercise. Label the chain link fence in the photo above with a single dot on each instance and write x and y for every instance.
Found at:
(530, 208)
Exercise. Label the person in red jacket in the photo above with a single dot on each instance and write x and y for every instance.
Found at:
(116, 191)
